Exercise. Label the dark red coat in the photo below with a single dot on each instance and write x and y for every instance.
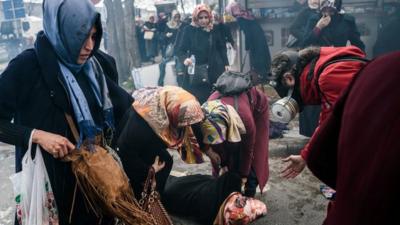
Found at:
(357, 150)
(254, 146)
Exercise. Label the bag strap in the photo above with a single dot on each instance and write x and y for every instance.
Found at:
(72, 126)
(347, 58)
(149, 184)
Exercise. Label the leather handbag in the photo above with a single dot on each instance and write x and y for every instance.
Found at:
(200, 76)
(103, 182)
(151, 202)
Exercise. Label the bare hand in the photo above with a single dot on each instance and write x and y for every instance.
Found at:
(223, 170)
(169, 34)
(323, 22)
(295, 166)
(158, 165)
(244, 181)
(227, 68)
(187, 62)
(214, 157)
(54, 144)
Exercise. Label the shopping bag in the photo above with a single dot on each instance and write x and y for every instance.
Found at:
(231, 53)
(137, 80)
(148, 35)
(33, 193)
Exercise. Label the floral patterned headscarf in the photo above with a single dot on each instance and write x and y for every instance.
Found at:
(197, 10)
(170, 111)
(240, 210)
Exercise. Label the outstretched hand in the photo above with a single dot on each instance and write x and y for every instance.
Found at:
(295, 166)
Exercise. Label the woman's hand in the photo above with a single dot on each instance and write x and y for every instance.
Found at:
(158, 165)
(187, 62)
(295, 166)
(323, 22)
(214, 157)
(244, 181)
(54, 144)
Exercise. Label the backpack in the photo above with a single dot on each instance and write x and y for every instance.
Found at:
(233, 84)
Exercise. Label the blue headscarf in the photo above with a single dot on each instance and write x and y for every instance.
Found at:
(67, 25)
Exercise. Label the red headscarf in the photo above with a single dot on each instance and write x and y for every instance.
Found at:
(197, 10)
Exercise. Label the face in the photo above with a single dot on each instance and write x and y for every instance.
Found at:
(151, 19)
(328, 11)
(313, 4)
(177, 18)
(203, 19)
(88, 46)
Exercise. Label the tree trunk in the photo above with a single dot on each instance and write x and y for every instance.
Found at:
(122, 43)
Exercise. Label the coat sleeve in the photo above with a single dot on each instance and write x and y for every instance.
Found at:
(15, 86)
(354, 36)
(129, 151)
(221, 48)
(298, 26)
(184, 43)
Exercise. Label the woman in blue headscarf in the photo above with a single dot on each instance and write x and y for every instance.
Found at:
(63, 74)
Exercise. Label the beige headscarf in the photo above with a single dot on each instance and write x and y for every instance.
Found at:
(172, 23)
(170, 111)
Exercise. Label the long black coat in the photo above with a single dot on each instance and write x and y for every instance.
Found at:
(211, 51)
(32, 93)
(256, 44)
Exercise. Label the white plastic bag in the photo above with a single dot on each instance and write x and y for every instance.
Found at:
(33, 193)
(231, 53)
(137, 80)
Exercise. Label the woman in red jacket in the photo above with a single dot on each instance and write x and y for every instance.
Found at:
(315, 76)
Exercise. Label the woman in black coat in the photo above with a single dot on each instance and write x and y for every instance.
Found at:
(327, 26)
(35, 94)
(324, 26)
(208, 47)
(159, 119)
(255, 40)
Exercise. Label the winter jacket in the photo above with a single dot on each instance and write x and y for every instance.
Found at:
(341, 29)
(332, 81)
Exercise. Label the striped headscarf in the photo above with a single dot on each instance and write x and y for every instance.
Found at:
(222, 123)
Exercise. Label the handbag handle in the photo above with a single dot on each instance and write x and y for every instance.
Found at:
(72, 126)
(150, 182)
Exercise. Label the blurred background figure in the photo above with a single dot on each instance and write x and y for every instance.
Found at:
(389, 31)
(203, 43)
(150, 36)
(170, 35)
(256, 42)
